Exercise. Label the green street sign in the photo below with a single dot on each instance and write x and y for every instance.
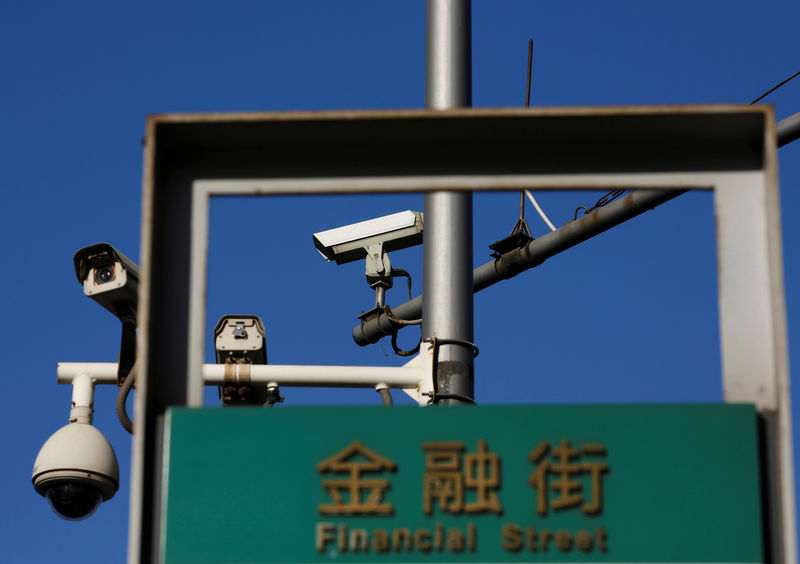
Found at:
(633, 483)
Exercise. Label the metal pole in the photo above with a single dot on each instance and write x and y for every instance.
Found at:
(447, 251)
(400, 377)
(788, 129)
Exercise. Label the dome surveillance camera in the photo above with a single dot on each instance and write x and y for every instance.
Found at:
(76, 470)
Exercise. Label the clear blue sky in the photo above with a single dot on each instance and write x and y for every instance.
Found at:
(629, 316)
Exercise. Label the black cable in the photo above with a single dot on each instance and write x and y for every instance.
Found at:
(400, 352)
(603, 201)
(126, 369)
(388, 312)
(401, 272)
(127, 348)
(401, 322)
(122, 398)
(774, 88)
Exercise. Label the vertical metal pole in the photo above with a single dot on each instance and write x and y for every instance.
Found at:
(447, 252)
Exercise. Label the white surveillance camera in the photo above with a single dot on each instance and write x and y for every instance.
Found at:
(76, 470)
(241, 339)
(240, 336)
(109, 278)
(394, 232)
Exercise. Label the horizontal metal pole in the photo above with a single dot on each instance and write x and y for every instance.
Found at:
(100, 372)
(788, 130)
(572, 233)
(399, 377)
(324, 376)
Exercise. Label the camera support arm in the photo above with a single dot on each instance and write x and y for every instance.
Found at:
(414, 378)
(82, 398)
(379, 272)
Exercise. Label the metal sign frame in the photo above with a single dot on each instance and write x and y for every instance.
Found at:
(729, 149)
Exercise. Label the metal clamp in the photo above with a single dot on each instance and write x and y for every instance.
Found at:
(434, 394)
(436, 342)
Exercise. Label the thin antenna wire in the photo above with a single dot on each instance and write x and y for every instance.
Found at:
(530, 63)
(523, 193)
(774, 88)
(527, 105)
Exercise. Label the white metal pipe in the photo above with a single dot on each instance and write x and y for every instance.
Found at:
(284, 375)
(83, 390)
(327, 376)
(82, 398)
(100, 372)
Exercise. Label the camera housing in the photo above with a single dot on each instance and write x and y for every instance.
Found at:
(76, 470)
(350, 242)
(109, 278)
(241, 339)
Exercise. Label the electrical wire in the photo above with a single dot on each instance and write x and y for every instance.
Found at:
(528, 105)
(400, 352)
(387, 311)
(126, 368)
(401, 272)
(603, 201)
(386, 396)
(539, 209)
(774, 88)
(122, 397)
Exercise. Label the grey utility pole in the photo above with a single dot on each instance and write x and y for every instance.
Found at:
(447, 252)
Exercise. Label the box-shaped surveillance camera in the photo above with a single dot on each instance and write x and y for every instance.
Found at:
(241, 339)
(240, 336)
(346, 244)
(108, 277)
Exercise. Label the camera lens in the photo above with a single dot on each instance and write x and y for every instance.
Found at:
(73, 501)
(104, 274)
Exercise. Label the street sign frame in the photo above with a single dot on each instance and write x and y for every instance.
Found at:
(729, 149)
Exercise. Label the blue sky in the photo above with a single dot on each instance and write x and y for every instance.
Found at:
(630, 316)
